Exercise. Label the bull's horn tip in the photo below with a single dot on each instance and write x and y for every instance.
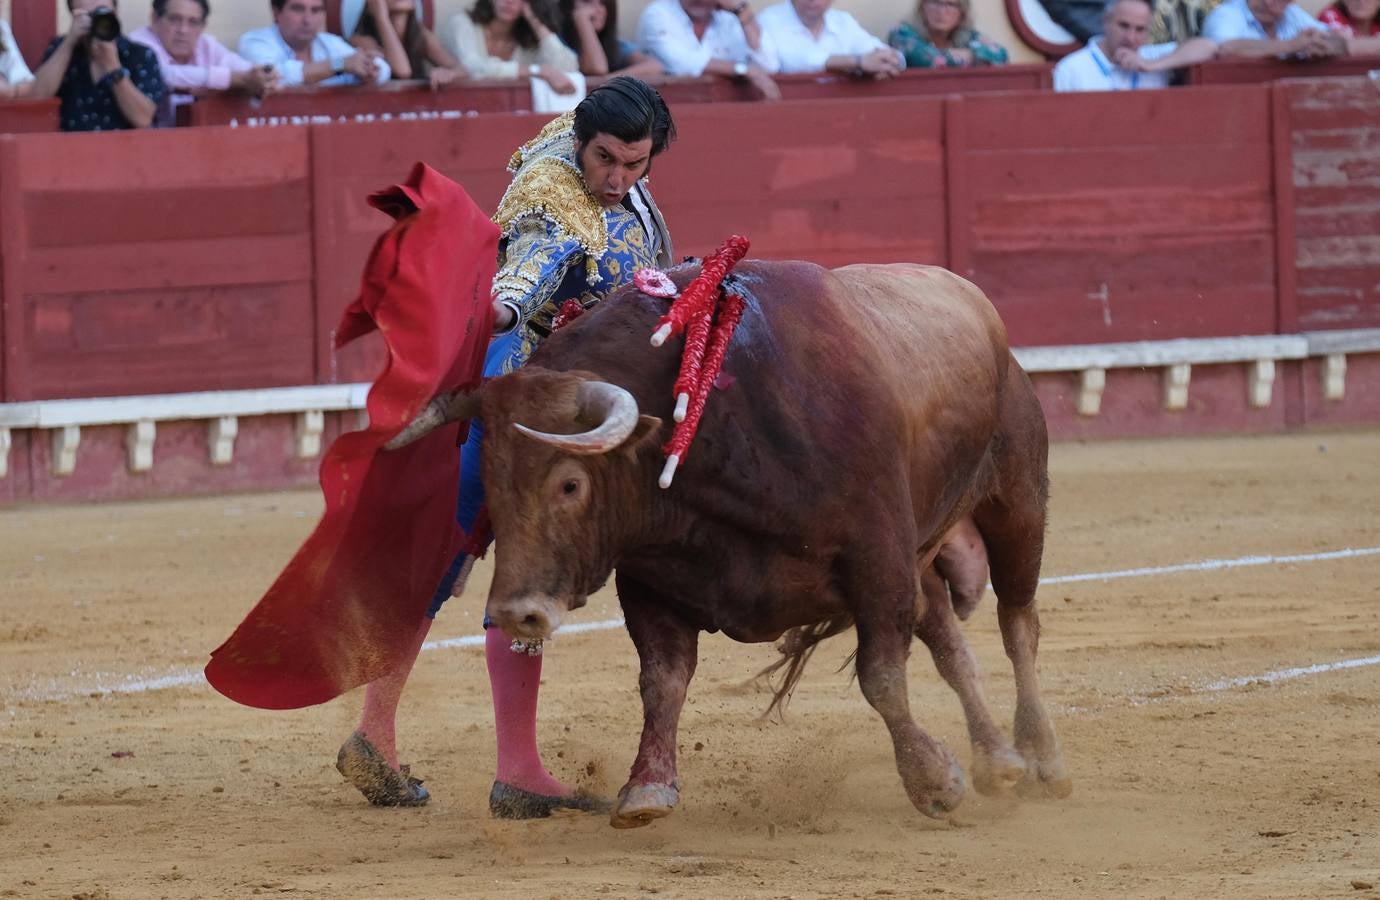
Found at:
(669, 471)
(682, 404)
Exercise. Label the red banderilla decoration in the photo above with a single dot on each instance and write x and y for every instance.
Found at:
(708, 319)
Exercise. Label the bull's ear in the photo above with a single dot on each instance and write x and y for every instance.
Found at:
(648, 430)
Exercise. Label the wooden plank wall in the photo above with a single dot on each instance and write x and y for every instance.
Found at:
(1119, 216)
(856, 182)
(1334, 126)
(144, 262)
(221, 258)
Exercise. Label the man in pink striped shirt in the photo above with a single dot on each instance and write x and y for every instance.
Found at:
(191, 59)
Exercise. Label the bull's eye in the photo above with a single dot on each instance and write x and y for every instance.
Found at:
(570, 487)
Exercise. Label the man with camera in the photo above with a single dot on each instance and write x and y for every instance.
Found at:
(105, 81)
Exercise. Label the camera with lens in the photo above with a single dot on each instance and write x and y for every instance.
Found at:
(105, 25)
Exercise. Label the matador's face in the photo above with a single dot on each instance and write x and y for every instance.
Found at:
(611, 166)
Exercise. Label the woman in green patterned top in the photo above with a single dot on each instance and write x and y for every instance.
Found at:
(943, 35)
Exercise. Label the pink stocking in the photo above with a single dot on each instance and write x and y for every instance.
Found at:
(515, 679)
(378, 720)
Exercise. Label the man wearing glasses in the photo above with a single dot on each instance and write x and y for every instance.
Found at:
(191, 59)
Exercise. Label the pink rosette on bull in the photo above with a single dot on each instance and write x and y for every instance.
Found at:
(654, 283)
(699, 295)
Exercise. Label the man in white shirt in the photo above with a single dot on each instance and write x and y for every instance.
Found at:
(709, 37)
(1271, 28)
(1120, 60)
(809, 36)
(299, 47)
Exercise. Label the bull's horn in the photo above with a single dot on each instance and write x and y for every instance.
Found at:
(442, 410)
(615, 406)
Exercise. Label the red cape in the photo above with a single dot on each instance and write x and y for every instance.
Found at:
(346, 605)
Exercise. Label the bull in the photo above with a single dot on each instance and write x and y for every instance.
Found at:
(872, 418)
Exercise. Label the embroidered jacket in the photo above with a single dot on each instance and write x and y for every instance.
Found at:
(559, 244)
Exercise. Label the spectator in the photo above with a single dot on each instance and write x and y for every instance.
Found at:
(1358, 22)
(298, 46)
(15, 77)
(590, 28)
(510, 38)
(1120, 60)
(1270, 28)
(393, 29)
(811, 37)
(1353, 18)
(943, 35)
(1176, 21)
(718, 37)
(188, 58)
(104, 80)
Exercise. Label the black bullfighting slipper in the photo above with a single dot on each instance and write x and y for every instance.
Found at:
(508, 802)
(380, 783)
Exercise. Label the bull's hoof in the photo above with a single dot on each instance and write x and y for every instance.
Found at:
(639, 804)
(938, 802)
(997, 772)
(1046, 779)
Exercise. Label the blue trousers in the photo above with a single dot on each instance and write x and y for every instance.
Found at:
(506, 352)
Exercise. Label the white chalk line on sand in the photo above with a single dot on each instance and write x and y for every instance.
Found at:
(192, 677)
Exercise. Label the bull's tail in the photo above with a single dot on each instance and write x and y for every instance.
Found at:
(796, 647)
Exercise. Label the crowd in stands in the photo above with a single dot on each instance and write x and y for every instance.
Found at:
(106, 79)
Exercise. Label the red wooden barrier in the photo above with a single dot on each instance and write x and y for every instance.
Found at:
(833, 181)
(1255, 71)
(145, 262)
(313, 105)
(304, 106)
(1334, 131)
(23, 116)
(1117, 216)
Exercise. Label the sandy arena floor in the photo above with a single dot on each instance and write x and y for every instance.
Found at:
(125, 778)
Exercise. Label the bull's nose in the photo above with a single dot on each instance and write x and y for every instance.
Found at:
(528, 618)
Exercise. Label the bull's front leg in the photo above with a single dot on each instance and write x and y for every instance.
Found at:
(667, 647)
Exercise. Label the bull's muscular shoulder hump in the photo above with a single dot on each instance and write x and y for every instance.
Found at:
(908, 308)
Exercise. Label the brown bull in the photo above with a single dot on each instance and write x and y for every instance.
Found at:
(870, 412)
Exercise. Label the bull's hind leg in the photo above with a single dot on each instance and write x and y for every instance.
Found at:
(932, 777)
(996, 764)
(1012, 522)
(667, 647)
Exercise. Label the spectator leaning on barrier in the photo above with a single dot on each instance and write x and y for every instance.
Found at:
(511, 39)
(943, 35)
(1358, 22)
(1353, 18)
(15, 77)
(714, 37)
(811, 37)
(189, 58)
(1270, 28)
(393, 29)
(590, 28)
(1120, 60)
(1176, 21)
(298, 46)
(104, 80)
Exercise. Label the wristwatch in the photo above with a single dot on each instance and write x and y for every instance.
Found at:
(740, 70)
(115, 76)
(740, 8)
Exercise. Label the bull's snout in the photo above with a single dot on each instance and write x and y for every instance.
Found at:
(527, 618)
